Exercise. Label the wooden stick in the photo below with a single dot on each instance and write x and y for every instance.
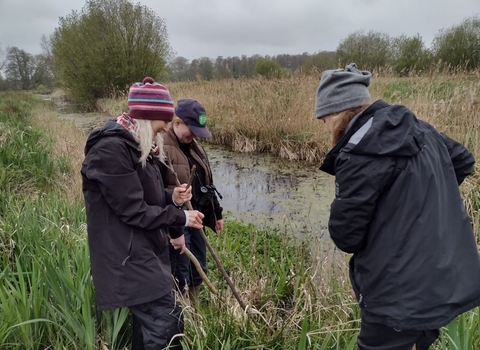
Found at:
(192, 174)
(212, 252)
(202, 274)
(200, 271)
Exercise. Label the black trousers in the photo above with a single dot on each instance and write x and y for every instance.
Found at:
(182, 268)
(156, 323)
(375, 336)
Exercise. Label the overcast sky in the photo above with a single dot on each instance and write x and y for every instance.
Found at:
(214, 28)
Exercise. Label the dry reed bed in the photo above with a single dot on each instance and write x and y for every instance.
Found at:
(277, 116)
(69, 143)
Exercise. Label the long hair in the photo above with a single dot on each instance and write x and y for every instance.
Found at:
(145, 138)
(342, 119)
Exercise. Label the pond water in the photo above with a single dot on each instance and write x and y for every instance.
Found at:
(265, 191)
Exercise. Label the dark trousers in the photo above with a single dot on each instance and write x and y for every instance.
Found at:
(182, 268)
(156, 323)
(375, 336)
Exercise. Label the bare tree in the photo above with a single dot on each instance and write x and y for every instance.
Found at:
(20, 67)
(3, 57)
(48, 59)
(179, 67)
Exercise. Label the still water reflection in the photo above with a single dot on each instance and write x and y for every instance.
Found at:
(264, 191)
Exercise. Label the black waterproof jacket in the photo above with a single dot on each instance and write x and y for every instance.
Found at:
(127, 210)
(415, 264)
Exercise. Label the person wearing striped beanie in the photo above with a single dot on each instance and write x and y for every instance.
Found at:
(132, 216)
(150, 100)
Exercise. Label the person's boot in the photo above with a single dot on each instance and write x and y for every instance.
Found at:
(194, 293)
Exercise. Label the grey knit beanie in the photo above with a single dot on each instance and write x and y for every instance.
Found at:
(342, 89)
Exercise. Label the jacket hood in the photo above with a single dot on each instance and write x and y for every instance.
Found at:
(390, 131)
(111, 128)
(380, 130)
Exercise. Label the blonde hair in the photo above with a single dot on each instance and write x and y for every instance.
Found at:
(144, 136)
(341, 120)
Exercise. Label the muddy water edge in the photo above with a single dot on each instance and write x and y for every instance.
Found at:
(258, 189)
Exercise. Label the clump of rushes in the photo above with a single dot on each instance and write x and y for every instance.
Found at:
(46, 295)
(298, 290)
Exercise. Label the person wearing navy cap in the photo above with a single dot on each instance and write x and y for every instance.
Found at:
(183, 152)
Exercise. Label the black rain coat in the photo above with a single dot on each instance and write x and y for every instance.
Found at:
(127, 208)
(415, 262)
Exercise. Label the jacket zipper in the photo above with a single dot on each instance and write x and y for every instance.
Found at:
(361, 301)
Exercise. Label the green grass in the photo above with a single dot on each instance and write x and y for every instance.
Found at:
(46, 296)
(399, 90)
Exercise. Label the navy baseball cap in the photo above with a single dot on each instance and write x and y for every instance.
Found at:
(193, 114)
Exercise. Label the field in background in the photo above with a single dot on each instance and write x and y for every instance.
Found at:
(277, 116)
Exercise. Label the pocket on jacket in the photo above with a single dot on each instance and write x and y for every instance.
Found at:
(143, 249)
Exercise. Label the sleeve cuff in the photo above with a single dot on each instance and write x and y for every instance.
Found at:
(187, 217)
(175, 204)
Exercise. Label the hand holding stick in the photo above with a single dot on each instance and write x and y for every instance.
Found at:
(212, 252)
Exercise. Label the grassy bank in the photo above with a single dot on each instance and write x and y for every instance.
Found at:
(301, 298)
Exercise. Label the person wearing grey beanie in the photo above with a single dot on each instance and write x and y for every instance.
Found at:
(342, 89)
(399, 211)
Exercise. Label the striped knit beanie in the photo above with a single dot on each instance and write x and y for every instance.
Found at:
(150, 100)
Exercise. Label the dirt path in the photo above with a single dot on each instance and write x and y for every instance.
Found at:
(86, 121)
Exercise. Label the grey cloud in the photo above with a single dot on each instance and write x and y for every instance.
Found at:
(234, 27)
(23, 22)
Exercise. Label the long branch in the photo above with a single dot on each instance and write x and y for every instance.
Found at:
(212, 252)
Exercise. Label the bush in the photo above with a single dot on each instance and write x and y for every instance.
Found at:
(268, 69)
(110, 44)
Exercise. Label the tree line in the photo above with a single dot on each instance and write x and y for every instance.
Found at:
(454, 48)
(100, 50)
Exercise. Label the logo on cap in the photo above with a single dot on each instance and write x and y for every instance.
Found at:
(202, 119)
